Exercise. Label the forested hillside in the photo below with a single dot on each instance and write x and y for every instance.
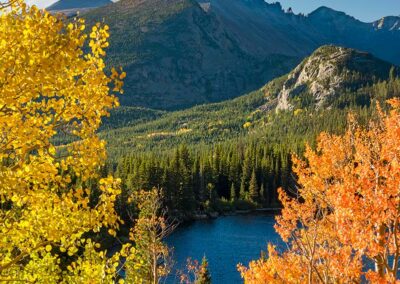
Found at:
(235, 154)
(332, 80)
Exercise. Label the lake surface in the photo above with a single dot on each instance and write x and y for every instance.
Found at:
(225, 242)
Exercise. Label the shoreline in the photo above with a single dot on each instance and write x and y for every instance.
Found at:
(215, 215)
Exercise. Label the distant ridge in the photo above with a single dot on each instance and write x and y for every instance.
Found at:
(70, 7)
(264, 28)
(391, 23)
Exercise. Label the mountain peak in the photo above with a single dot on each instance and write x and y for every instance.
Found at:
(326, 12)
(390, 23)
(276, 5)
(255, 2)
(324, 9)
(327, 73)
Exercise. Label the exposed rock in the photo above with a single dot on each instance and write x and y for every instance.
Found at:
(388, 23)
(213, 215)
(327, 73)
(200, 217)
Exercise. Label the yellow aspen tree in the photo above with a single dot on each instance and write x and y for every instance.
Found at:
(53, 82)
(151, 259)
(344, 225)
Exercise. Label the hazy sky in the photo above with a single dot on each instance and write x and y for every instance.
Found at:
(365, 10)
(43, 3)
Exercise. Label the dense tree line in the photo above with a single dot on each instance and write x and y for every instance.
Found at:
(245, 173)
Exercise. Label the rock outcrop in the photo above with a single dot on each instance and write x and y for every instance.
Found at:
(327, 73)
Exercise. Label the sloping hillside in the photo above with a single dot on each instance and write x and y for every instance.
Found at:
(355, 79)
(177, 55)
(265, 29)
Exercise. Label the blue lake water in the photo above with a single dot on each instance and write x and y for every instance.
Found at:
(225, 242)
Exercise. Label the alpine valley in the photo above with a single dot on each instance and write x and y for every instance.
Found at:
(225, 91)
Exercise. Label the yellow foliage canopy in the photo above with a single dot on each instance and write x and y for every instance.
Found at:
(49, 86)
(343, 226)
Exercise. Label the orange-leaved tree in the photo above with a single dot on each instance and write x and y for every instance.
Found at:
(343, 225)
(51, 84)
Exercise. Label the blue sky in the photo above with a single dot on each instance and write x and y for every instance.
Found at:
(365, 10)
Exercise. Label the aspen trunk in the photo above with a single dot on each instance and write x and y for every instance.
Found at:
(155, 272)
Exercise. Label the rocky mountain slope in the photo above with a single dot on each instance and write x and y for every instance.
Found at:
(390, 23)
(327, 74)
(340, 29)
(264, 28)
(179, 53)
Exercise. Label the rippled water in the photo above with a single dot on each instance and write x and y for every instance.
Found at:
(225, 242)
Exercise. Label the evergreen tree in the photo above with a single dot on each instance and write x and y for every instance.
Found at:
(262, 194)
(212, 194)
(196, 179)
(202, 186)
(247, 167)
(242, 193)
(253, 187)
(233, 192)
(186, 193)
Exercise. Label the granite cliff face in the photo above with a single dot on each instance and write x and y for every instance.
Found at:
(327, 74)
